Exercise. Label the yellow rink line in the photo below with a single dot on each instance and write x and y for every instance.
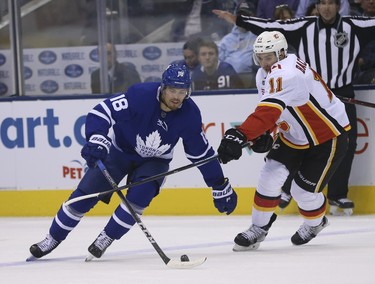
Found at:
(181, 201)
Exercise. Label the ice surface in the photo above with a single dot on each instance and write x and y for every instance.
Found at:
(344, 252)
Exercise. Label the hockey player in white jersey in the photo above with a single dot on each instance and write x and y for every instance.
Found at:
(147, 121)
(312, 140)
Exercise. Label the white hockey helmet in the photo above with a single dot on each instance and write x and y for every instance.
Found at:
(272, 41)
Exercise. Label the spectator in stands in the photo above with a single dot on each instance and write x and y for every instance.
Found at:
(213, 74)
(120, 75)
(236, 48)
(368, 7)
(266, 7)
(305, 4)
(312, 11)
(190, 52)
(283, 13)
(366, 61)
(363, 8)
(366, 65)
(200, 22)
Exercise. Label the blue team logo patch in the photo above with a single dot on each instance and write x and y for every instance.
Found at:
(3, 89)
(73, 70)
(341, 39)
(94, 55)
(27, 72)
(3, 59)
(151, 52)
(49, 86)
(47, 57)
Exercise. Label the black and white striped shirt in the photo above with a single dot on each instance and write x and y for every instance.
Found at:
(332, 50)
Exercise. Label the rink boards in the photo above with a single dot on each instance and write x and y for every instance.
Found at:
(41, 141)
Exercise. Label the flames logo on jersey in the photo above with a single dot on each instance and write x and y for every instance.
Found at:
(152, 146)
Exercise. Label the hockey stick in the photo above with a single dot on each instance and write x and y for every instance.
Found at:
(184, 262)
(355, 102)
(151, 178)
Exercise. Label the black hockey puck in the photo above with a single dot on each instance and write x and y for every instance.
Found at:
(184, 258)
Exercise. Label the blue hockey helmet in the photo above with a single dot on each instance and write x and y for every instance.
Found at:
(177, 75)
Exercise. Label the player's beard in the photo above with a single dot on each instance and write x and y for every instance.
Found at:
(267, 68)
(171, 104)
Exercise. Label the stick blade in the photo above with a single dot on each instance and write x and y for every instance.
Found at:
(31, 258)
(177, 264)
(89, 257)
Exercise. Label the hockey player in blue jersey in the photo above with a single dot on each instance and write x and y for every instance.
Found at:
(147, 122)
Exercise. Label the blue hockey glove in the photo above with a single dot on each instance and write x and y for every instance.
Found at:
(97, 148)
(231, 145)
(225, 198)
(263, 143)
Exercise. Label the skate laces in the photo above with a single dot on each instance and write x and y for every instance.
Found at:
(48, 243)
(307, 232)
(103, 241)
(255, 233)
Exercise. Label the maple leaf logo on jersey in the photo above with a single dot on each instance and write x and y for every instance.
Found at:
(151, 147)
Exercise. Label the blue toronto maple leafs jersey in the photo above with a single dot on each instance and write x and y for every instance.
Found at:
(143, 131)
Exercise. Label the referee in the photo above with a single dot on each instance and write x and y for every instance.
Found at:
(331, 44)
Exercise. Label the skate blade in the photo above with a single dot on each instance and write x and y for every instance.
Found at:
(89, 257)
(336, 211)
(238, 248)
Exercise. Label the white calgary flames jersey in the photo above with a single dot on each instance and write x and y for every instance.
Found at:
(294, 97)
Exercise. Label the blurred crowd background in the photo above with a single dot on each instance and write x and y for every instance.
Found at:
(31, 31)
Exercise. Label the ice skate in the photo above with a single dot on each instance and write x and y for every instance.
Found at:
(251, 238)
(342, 206)
(44, 247)
(306, 233)
(99, 246)
(284, 200)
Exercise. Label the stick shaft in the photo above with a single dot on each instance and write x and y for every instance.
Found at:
(134, 214)
(143, 181)
(152, 178)
(355, 102)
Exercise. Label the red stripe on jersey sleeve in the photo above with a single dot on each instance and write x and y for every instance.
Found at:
(262, 119)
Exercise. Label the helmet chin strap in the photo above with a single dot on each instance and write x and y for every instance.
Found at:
(285, 55)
